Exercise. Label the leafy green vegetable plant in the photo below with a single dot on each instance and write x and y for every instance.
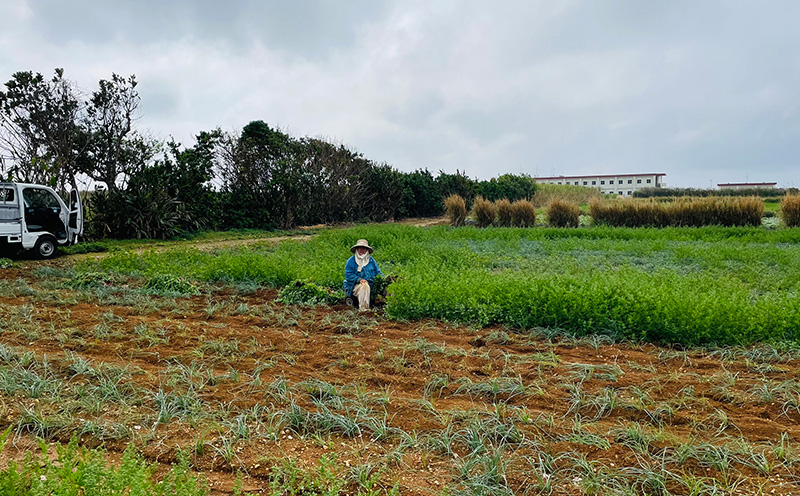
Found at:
(307, 293)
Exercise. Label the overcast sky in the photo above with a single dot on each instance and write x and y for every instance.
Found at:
(705, 91)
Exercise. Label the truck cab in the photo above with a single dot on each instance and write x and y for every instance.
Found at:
(34, 217)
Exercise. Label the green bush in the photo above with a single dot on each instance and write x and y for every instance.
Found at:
(561, 213)
(308, 293)
(484, 212)
(381, 284)
(523, 214)
(6, 263)
(456, 209)
(510, 186)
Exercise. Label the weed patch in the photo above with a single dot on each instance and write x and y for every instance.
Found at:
(80, 471)
(166, 284)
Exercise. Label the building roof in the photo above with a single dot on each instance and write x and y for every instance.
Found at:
(746, 184)
(604, 175)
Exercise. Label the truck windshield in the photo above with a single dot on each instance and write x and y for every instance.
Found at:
(40, 198)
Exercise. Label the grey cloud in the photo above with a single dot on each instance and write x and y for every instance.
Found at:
(698, 90)
(306, 28)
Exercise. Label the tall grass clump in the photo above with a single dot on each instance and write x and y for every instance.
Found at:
(562, 213)
(716, 211)
(790, 210)
(628, 213)
(523, 213)
(484, 212)
(683, 212)
(456, 209)
(505, 213)
(546, 193)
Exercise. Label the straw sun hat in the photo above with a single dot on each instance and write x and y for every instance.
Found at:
(363, 243)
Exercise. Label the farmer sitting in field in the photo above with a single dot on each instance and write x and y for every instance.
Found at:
(359, 273)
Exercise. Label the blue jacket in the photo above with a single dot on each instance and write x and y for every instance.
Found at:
(352, 276)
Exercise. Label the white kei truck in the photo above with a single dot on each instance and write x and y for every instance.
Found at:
(34, 217)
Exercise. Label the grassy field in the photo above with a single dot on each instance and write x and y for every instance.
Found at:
(506, 361)
(673, 286)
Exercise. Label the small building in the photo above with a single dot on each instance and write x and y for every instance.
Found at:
(747, 185)
(611, 184)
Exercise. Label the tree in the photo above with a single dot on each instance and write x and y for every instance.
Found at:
(334, 181)
(253, 170)
(115, 149)
(49, 134)
(41, 131)
(421, 196)
(510, 186)
(456, 184)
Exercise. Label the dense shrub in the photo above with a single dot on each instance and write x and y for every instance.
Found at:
(456, 184)
(790, 211)
(382, 193)
(504, 212)
(510, 186)
(561, 213)
(144, 211)
(523, 214)
(484, 212)
(161, 199)
(456, 209)
(421, 196)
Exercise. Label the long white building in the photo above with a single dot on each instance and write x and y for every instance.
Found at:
(738, 186)
(614, 184)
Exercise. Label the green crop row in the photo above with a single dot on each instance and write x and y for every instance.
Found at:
(674, 285)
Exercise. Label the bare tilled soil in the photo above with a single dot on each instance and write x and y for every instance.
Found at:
(248, 387)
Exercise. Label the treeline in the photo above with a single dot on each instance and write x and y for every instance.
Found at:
(51, 133)
(776, 193)
(263, 178)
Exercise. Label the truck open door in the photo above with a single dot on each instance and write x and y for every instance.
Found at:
(75, 215)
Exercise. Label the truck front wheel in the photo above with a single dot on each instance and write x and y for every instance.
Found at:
(45, 247)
